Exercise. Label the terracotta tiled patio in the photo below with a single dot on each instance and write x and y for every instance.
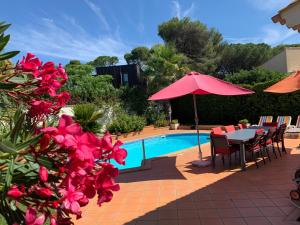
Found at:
(175, 193)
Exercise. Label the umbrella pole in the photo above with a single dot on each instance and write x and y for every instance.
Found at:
(197, 126)
(200, 162)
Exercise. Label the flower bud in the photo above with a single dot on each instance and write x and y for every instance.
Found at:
(44, 192)
(43, 173)
(14, 192)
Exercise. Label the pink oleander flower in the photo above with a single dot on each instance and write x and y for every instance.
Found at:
(53, 221)
(43, 192)
(44, 142)
(14, 192)
(63, 134)
(31, 217)
(71, 198)
(30, 64)
(105, 183)
(62, 98)
(83, 146)
(119, 154)
(107, 142)
(43, 173)
(39, 108)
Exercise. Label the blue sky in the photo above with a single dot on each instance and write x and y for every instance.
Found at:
(61, 30)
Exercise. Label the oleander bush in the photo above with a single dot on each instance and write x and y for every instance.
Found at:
(49, 169)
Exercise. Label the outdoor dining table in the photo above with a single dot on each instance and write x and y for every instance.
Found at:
(241, 137)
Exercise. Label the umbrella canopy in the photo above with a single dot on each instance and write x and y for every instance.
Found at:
(199, 84)
(287, 85)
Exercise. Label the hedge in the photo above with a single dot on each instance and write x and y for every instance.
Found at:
(213, 109)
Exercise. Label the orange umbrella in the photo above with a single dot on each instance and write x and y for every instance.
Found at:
(287, 85)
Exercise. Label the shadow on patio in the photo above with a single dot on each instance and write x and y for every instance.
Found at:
(257, 196)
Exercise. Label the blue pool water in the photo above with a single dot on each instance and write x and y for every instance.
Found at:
(157, 146)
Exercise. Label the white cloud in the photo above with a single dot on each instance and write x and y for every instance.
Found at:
(178, 12)
(189, 11)
(271, 35)
(269, 4)
(98, 12)
(67, 41)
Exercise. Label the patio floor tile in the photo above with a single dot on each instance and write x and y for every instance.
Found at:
(167, 214)
(187, 214)
(242, 203)
(210, 221)
(250, 212)
(260, 202)
(189, 222)
(229, 213)
(208, 213)
(257, 221)
(234, 221)
(271, 211)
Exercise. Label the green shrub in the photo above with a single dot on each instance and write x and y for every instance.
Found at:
(244, 121)
(174, 121)
(161, 121)
(127, 123)
(154, 112)
(87, 115)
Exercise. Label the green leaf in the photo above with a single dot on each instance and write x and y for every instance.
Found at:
(96, 115)
(7, 147)
(3, 41)
(26, 144)
(8, 55)
(46, 161)
(3, 28)
(18, 127)
(7, 85)
(18, 80)
(9, 174)
(12, 205)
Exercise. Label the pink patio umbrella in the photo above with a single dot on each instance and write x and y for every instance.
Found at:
(198, 84)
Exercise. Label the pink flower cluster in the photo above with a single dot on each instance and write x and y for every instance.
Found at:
(82, 168)
(47, 80)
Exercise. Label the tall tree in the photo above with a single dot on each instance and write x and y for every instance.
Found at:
(137, 55)
(201, 45)
(84, 87)
(104, 61)
(164, 66)
(238, 57)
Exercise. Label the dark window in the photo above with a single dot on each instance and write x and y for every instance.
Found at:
(125, 79)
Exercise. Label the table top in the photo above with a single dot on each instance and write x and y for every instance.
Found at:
(244, 135)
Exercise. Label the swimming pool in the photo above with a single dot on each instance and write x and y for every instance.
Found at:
(157, 146)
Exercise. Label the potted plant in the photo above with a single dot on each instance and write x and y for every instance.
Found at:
(245, 122)
(174, 125)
